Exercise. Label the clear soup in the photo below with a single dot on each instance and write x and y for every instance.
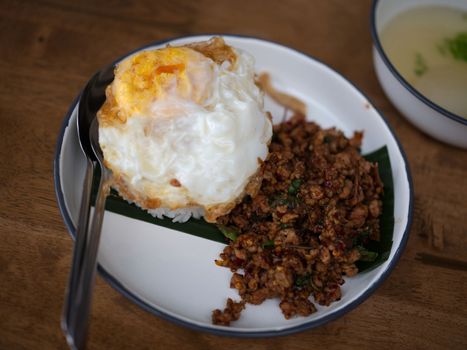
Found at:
(428, 46)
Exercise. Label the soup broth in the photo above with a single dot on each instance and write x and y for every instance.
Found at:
(428, 46)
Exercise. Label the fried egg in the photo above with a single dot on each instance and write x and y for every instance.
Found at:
(184, 129)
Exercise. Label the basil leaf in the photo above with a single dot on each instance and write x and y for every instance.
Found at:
(229, 232)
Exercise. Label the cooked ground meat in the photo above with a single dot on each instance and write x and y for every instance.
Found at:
(319, 200)
(231, 312)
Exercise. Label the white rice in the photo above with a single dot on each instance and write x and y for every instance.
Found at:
(178, 215)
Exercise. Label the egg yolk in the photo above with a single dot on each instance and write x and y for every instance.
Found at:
(154, 75)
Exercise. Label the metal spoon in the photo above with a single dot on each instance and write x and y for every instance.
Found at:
(83, 269)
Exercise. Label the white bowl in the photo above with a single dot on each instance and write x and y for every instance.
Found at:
(421, 111)
(172, 274)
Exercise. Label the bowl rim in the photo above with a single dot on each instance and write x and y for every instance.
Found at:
(379, 47)
(119, 287)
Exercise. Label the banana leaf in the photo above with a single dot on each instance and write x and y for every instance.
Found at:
(386, 220)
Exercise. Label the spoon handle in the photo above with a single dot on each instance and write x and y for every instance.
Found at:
(79, 295)
(80, 242)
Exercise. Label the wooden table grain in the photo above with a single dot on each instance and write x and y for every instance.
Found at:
(48, 50)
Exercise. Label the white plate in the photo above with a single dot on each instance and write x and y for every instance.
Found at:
(172, 274)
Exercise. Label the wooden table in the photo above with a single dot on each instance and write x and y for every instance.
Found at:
(48, 50)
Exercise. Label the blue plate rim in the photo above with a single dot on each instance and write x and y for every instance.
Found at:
(399, 77)
(227, 331)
